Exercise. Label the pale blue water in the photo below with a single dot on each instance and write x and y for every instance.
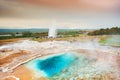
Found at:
(54, 65)
(63, 66)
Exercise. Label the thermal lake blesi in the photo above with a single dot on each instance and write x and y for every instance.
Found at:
(52, 65)
(67, 65)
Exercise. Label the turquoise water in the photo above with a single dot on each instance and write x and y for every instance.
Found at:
(63, 66)
(54, 65)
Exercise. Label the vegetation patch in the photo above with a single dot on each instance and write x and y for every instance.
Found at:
(107, 31)
(11, 57)
(113, 40)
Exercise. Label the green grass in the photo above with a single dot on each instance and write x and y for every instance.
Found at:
(110, 40)
(78, 38)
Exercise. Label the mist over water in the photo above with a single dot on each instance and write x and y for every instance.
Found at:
(73, 65)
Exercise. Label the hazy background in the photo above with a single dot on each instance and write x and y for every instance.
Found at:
(83, 14)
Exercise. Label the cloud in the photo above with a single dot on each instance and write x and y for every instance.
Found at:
(99, 5)
(40, 13)
(19, 8)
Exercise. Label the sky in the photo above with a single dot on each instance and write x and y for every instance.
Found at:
(82, 14)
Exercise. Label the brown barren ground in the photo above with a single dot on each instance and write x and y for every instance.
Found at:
(23, 73)
(7, 41)
(11, 57)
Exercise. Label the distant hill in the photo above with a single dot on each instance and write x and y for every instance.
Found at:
(23, 30)
(107, 31)
(64, 30)
(33, 30)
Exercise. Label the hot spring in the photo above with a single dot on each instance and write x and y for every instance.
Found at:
(63, 65)
(52, 65)
(69, 66)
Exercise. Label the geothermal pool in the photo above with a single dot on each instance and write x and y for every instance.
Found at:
(52, 65)
(66, 65)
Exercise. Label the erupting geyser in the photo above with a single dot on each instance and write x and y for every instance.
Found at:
(52, 31)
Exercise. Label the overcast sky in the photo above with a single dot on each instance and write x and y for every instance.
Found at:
(83, 14)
